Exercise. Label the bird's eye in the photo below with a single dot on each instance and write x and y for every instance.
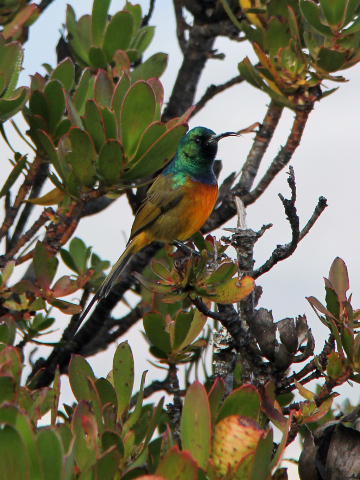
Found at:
(197, 140)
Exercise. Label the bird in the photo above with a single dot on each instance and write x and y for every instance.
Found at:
(177, 204)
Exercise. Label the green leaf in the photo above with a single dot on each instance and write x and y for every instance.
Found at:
(74, 37)
(60, 166)
(106, 466)
(136, 115)
(106, 391)
(51, 454)
(134, 417)
(56, 101)
(11, 106)
(72, 112)
(64, 73)
(97, 58)
(110, 439)
(118, 34)
(215, 397)
(177, 465)
(225, 271)
(103, 89)
(311, 12)
(154, 326)
(262, 460)
(111, 161)
(148, 138)
(99, 20)
(330, 60)
(94, 124)
(41, 266)
(39, 105)
(82, 91)
(143, 39)
(79, 370)
(243, 401)
(13, 456)
(182, 327)
(158, 154)
(82, 157)
(334, 12)
(135, 11)
(347, 340)
(7, 389)
(121, 88)
(15, 173)
(195, 424)
(10, 65)
(123, 373)
(152, 67)
(109, 123)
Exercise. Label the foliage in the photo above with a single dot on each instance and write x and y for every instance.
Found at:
(99, 129)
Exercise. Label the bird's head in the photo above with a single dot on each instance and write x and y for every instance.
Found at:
(200, 145)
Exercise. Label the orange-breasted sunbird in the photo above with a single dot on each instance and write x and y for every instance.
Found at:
(176, 205)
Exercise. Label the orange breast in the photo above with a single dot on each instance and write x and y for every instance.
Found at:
(196, 207)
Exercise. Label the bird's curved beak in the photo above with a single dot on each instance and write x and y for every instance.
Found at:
(216, 138)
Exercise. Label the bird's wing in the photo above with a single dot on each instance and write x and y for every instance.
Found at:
(159, 199)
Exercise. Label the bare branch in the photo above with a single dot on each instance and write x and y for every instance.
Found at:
(23, 191)
(213, 90)
(180, 22)
(284, 251)
(146, 19)
(283, 157)
(320, 207)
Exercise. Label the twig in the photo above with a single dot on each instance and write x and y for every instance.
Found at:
(320, 207)
(174, 409)
(284, 251)
(23, 191)
(261, 142)
(180, 22)
(44, 217)
(286, 385)
(146, 19)
(227, 209)
(44, 4)
(213, 90)
(39, 181)
(283, 157)
(155, 386)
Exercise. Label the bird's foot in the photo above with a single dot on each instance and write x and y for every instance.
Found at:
(185, 249)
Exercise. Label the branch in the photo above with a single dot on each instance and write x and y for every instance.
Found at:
(40, 178)
(44, 217)
(23, 191)
(213, 90)
(155, 386)
(146, 19)
(180, 22)
(44, 4)
(283, 157)
(100, 315)
(284, 251)
(228, 209)
(320, 207)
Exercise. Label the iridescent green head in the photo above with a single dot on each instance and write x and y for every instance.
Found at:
(196, 152)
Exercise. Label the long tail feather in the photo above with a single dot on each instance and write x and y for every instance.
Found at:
(106, 285)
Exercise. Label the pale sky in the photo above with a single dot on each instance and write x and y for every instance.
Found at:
(325, 164)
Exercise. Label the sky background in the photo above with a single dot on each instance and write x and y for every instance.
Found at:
(326, 164)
